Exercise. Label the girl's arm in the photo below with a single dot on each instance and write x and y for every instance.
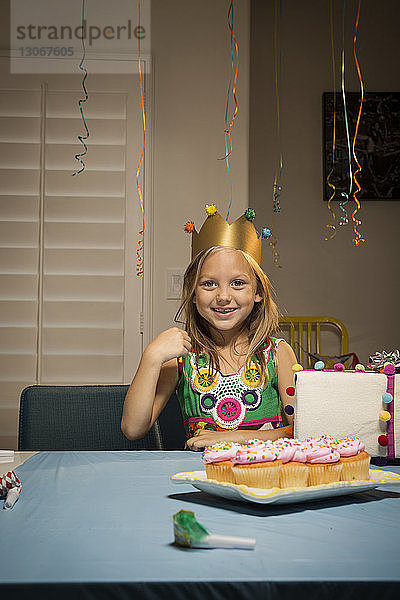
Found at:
(285, 359)
(208, 438)
(154, 382)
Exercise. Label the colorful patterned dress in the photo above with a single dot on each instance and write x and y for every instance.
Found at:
(222, 402)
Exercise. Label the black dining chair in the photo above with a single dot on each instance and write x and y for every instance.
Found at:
(88, 417)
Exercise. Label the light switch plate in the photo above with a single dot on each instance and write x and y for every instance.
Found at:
(174, 283)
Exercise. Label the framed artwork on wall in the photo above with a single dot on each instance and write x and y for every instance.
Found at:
(377, 145)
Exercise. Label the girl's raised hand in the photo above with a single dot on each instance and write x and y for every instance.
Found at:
(171, 343)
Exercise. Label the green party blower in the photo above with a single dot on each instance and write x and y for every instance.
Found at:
(190, 533)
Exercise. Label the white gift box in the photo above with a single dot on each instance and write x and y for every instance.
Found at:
(347, 404)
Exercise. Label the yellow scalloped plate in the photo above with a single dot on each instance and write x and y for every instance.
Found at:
(231, 491)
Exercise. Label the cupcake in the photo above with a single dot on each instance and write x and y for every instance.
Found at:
(355, 461)
(257, 466)
(294, 471)
(217, 461)
(323, 463)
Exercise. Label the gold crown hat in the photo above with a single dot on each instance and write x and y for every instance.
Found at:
(216, 231)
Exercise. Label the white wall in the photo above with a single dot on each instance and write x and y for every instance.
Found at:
(190, 48)
(358, 285)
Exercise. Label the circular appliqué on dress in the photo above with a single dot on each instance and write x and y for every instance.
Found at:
(227, 398)
(251, 399)
(229, 409)
(208, 401)
(204, 381)
(251, 376)
(229, 413)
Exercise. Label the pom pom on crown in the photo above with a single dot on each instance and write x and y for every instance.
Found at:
(189, 227)
(211, 209)
(250, 214)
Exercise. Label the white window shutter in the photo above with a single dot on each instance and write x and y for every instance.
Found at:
(64, 274)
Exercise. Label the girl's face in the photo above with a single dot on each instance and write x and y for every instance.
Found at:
(226, 290)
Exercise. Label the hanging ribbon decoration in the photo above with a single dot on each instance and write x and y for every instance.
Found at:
(228, 128)
(344, 218)
(332, 225)
(82, 138)
(358, 238)
(277, 63)
(139, 251)
(226, 117)
(275, 254)
(276, 188)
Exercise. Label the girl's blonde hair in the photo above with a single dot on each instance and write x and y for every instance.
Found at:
(260, 324)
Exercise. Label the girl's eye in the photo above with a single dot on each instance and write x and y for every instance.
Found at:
(237, 283)
(208, 283)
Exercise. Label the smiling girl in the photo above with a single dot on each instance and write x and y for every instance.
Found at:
(230, 374)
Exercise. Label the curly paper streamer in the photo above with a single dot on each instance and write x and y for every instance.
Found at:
(275, 254)
(332, 225)
(139, 255)
(276, 191)
(344, 218)
(358, 238)
(81, 138)
(268, 234)
(276, 188)
(226, 123)
(226, 151)
(139, 251)
(228, 129)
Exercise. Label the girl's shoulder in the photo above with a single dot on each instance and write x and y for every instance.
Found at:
(272, 342)
(277, 341)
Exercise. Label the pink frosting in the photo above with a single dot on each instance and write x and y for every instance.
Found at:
(289, 450)
(325, 440)
(289, 454)
(349, 446)
(257, 454)
(322, 455)
(220, 452)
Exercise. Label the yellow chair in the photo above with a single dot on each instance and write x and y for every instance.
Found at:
(305, 336)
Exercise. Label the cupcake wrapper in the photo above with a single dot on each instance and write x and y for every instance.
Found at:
(220, 472)
(293, 475)
(259, 477)
(324, 473)
(355, 469)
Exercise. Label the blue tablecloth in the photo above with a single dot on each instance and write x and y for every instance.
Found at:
(87, 520)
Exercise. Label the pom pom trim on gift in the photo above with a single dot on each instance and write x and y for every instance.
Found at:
(387, 397)
(319, 365)
(338, 367)
(384, 415)
(389, 369)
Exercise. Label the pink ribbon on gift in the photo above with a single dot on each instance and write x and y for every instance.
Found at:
(390, 425)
